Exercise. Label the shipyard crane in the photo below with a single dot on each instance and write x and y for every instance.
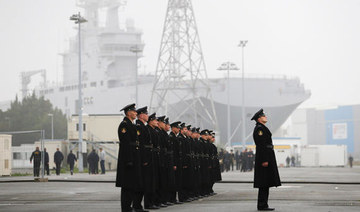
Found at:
(26, 79)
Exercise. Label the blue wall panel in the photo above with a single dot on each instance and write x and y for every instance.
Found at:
(344, 116)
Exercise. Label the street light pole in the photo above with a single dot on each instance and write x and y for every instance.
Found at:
(136, 50)
(52, 125)
(78, 20)
(228, 66)
(242, 44)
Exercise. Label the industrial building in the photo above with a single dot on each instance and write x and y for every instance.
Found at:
(328, 126)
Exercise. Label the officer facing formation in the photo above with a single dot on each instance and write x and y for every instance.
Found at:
(36, 155)
(266, 173)
(161, 167)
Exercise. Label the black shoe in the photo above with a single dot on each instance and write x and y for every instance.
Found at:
(140, 210)
(266, 209)
(179, 202)
(169, 203)
(162, 205)
(153, 207)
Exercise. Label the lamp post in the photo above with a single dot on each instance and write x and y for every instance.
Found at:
(228, 66)
(78, 20)
(242, 44)
(52, 125)
(135, 49)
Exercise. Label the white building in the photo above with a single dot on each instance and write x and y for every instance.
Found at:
(5, 154)
(21, 156)
(99, 131)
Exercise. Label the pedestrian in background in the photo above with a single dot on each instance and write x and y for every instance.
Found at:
(36, 155)
(232, 159)
(58, 158)
(46, 162)
(293, 161)
(351, 159)
(102, 161)
(237, 159)
(71, 158)
(93, 159)
(287, 161)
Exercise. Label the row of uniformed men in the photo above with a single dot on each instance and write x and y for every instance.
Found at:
(162, 168)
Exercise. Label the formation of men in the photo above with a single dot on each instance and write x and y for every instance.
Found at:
(244, 161)
(161, 167)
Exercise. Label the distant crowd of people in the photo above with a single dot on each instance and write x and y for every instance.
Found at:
(243, 161)
(93, 160)
(290, 159)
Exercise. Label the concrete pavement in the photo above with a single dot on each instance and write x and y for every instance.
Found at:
(104, 196)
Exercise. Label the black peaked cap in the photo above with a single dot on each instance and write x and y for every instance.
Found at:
(175, 124)
(142, 110)
(182, 125)
(129, 107)
(204, 132)
(152, 117)
(258, 114)
(161, 118)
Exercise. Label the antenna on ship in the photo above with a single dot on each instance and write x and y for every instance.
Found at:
(181, 89)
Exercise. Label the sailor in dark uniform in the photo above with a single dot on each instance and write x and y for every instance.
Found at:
(155, 138)
(146, 161)
(184, 195)
(177, 154)
(128, 175)
(195, 147)
(166, 167)
(204, 168)
(266, 173)
(216, 172)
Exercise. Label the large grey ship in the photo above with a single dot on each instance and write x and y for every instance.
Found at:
(110, 73)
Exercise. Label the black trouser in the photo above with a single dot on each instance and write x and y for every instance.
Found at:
(138, 196)
(102, 165)
(148, 199)
(263, 197)
(58, 167)
(47, 169)
(71, 167)
(127, 197)
(36, 169)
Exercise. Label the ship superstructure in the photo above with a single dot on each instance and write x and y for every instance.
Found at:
(110, 72)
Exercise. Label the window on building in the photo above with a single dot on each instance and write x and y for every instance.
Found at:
(84, 127)
(93, 84)
(17, 156)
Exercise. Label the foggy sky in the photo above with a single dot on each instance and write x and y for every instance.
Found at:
(316, 40)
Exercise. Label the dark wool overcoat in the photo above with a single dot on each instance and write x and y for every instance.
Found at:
(128, 173)
(265, 176)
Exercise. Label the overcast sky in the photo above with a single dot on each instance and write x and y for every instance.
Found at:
(315, 40)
